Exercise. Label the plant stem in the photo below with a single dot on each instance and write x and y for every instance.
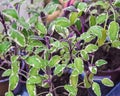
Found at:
(18, 73)
(42, 93)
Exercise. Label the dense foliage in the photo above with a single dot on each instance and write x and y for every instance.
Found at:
(37, 51)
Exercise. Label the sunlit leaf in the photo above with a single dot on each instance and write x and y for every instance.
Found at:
(73, 16)
(91, 48)
(4, 47)
(58, 68)
(116, 44)
(7, 73)
(100, 62)
(101, 18)
(93, 69)
(17, 37)
(71, 89)
(82, 6)
(96, 88)
(79, 65)
(84, 55)
(9, 93)
(11, 13)
(31, 89)
(96, 30)
(34, 80)
(74, 80)
(54, 60)
(13, 81)
(34, 61)
(62, 21)
(107, 82)
(113, 30)
(41, 28)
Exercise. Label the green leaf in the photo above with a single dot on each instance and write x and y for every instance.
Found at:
(54, 60)
(86, 82)
(93, 69)
(82, 6)
(31, 89)
(13, 81)
(73, 80)
(49, 94)
(91, 48)
(73, 17)
(14, 58)
(75, 72)
(96, 88)
(71, 89)
(63, 31)
(23, 23)
(41, 28)
(34, 80)
(50, 8)
(4, 47)
(117, 3)
(7, 73)
(116, 44)
(17, 37)
(34, 71)
(35, 43)
(57, 44)
(92, 20)
(62, 21)
(15, 67)
(34, 61)
(33, 19)
(9, 93)
(79, 65)
(113, 30)
(87, 37)
(100, 62)
(107, 82)
(58, 68)
(84, 55)
(101, 18)
(11, 13)
(103, 38)
(96, 30)
(78, 24)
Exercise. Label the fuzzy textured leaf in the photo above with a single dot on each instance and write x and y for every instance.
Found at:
(96, 88)
(4, 46)
(17, 37)
(13, 81)
(107, 82)
(113, 30)
(91, 48)
(100, 62)
(101, 18)
(79, 65)
(11, 13)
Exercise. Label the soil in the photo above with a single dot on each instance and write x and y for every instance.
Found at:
(110, 54)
